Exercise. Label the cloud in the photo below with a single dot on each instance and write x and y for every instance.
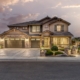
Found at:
(4, 4)
(3, 27)
(20, 18)
(24, 1)
(8, 2)
(59, 4)
(71, 6)
(2, 9)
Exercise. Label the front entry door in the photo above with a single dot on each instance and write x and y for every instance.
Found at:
(46, 42)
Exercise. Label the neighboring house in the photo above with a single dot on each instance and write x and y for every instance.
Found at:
(36, 34)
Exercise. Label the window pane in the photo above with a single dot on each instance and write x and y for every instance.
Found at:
(55, 41)
(58, 27)
(34, 29)
(38, 28)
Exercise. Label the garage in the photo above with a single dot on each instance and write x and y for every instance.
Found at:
(35, 43)
(14, 43)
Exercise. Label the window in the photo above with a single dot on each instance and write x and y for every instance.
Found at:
(35, 28)
(58, 27)
(17, 28)
(58, 41)
(24, 28)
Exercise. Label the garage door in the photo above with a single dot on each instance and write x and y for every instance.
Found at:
(35, 43)
(14, 44)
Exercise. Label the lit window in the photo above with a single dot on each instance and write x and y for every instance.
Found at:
(60, 41)
(35, 28)
(58, 27)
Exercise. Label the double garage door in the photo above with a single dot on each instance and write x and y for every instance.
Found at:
(14, 44)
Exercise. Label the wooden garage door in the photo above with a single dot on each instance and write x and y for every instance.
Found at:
(14, 44)
(35, 43)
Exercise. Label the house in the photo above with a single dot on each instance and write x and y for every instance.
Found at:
(36, 34)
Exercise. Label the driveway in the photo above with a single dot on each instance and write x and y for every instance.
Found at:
(19, 52)
(39, 71)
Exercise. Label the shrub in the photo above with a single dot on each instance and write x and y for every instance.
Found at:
(54, 48)
(49, 52)
(61, 49)
(56, 53)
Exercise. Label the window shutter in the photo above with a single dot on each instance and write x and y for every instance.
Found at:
(30, 28)
(55, 28)
(40, 28)
(62, 29)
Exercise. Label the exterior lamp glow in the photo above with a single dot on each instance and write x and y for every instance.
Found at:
(27, 40)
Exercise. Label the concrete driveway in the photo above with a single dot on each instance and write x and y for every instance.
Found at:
(20, 52)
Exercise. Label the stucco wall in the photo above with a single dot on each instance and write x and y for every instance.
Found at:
(45, 27)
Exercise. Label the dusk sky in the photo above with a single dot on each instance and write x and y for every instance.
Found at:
(16, 11)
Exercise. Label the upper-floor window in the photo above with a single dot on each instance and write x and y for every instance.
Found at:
(35, 28)
(17, 28)
(59, 28)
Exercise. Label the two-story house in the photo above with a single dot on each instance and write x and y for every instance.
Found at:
(37, 34)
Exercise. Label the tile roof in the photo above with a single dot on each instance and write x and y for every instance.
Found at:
(39, 22)
(26, 23)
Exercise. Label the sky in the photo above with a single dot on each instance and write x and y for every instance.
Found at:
(17, 11)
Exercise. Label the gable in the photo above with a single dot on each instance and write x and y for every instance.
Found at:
(56, 19)
(14, 33)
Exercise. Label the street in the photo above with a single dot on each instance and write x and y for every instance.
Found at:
(39, 71)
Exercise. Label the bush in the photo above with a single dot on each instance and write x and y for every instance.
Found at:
(56, 53)
(61, 49)
(49, 52)
(54, 48)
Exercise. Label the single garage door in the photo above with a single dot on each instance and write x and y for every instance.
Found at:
(35, 43)
(14, 44)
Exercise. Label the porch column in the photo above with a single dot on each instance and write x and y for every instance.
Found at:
(2, 43)
(27, 43)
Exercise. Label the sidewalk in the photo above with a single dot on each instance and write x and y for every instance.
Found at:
(41, 59)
